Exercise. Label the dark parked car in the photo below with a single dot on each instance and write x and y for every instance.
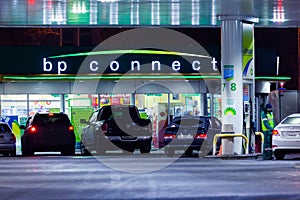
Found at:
(7, 140)
(189, 133)
(45, 132)
(115, 128)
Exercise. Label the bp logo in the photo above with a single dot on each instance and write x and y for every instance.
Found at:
(229, 111)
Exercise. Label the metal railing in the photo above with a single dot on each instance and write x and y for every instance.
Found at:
(230, 135)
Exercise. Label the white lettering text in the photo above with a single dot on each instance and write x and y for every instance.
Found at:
(176, 65)
(117, 66)
(94, 66)
(62, 66)
(155, 63)
(196, 65)
(135, 64)
(47, 65)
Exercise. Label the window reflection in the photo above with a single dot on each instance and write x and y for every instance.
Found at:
(175, 12)
(278, 12)
(155, 13)
(195, 12)
(113, 13)
(54, 12)
(134, 14)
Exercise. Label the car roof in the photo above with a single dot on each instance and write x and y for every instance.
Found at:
(294, 115)
(191, 117)
(114, 106)
(5, 124)
(47, 113)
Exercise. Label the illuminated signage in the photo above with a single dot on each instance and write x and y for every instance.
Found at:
(136, 61)
(33, 60)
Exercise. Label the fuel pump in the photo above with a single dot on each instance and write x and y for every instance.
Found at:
(248, 115)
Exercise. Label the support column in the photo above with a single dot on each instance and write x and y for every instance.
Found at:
(1, 105)
(132, 99)
(232, 70)
(27, 105)
(203, 108)
(99, 101)
(62, 103)
(169, 108)
(298, 58)
(212, 105)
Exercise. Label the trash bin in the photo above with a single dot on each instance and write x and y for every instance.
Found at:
(227, 142)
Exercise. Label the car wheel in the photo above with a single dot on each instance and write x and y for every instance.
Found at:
(189, 152)
(146, 148)
(5, 154)
(128, 151)
(27, 152)
(84, 151)
(169, 152)
(13, 153)
(68, 152)
(279, 155)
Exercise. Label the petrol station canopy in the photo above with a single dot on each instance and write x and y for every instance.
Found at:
(130, 13)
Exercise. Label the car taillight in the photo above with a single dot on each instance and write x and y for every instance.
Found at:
(12, 137)
(201, 136)
(104, 127)
(71, 128)
(275, 133)
(32, 129)
(169, 136)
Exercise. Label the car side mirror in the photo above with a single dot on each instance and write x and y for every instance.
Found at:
(84, 121)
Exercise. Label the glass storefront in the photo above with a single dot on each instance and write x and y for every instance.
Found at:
(214, 105)
(43, 103)
(161, 108)
(180, 104)
(14, 105)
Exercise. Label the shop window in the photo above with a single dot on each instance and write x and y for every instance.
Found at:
(14, 105)
(44, 103)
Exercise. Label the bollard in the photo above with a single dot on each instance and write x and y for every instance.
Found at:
(229, 135)
(227, 142)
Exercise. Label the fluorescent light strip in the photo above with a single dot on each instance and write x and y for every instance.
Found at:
(150, 52)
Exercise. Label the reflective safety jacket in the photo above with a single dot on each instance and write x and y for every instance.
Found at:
(267, 121)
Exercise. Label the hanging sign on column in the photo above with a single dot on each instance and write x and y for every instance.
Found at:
(228, 76)
(248, 46)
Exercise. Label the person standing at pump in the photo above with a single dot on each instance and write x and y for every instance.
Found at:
(268, 124)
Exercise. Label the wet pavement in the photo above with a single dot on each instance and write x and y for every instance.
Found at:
(147, 177)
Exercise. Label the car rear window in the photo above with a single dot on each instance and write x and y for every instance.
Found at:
(120, 112)
(292, 120)
(51, 120)
(4, 128)
(188, 122)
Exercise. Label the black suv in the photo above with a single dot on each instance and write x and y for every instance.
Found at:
(117, 127)
(45, 132)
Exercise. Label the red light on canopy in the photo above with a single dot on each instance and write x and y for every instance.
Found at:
(31, 2)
